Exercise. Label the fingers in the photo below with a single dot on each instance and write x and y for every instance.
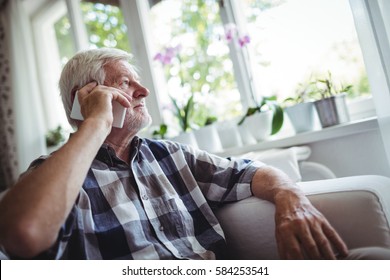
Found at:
(96, 102)
(323, 244)
(310, 245)
(288, 245)
(308, 236)
(114, 93)
(120, 97)
(336, 240)
(87, 88)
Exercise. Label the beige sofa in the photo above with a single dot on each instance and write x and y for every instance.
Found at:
(358, 207)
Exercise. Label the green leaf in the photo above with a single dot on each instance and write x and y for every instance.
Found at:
(346, 89)
(210, 120)
(252, 111)
(187, 111)
(249, 112)
(278, 119)
(178, 113)
(161, 131)
(270, 98)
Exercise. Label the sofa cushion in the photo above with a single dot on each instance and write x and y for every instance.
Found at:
(356, 207)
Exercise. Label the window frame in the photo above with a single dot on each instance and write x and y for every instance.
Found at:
(375, 45)
(48, 59)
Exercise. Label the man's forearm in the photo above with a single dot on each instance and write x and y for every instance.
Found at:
(32, 212)
(268, 183)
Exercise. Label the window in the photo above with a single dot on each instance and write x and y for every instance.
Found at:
(191, 48)
(286, 42)
(294, 42)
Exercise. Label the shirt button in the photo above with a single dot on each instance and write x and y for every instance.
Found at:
(161, 228)
(145, 197)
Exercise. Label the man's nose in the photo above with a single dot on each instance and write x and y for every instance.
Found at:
(140, 91)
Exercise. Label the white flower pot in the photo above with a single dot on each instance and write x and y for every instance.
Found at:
(259, 125)
(303, 117)
(229, 134)
(187, 138)
(208, 139)
(246, 136)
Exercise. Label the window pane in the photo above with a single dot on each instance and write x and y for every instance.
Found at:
(105, 26)
(297, 41)
(64, 39)
(189, 42)
(65, 50)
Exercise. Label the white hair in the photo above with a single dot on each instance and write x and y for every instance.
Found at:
(85, 67)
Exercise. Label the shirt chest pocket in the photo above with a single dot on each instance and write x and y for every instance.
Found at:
(174, 218)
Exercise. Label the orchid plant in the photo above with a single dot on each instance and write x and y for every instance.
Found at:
(267, 103)
(183, 113)
(232, 34)
(169, 57)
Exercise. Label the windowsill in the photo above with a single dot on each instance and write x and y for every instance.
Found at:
(342, 130)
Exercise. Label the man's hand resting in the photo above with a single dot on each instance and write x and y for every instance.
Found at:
(301, 230)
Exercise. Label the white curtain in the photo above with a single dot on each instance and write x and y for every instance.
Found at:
(29, 125)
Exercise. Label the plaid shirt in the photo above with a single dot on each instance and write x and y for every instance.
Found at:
(158, 207)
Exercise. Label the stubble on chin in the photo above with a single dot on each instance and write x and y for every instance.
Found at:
(138, 122)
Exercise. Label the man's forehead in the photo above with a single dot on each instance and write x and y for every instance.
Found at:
(121, 68)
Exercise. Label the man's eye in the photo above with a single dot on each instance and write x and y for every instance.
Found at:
(126, 83)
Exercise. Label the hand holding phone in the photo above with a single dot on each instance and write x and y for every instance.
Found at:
(118, 112)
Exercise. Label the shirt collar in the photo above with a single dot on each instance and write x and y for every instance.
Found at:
(107, 154)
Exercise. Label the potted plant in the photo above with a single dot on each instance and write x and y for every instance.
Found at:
(331, 107)
(54, 138)
(230, 134)
(301, 110)
(183, 115)
(207, 136)
(160, 132)
(265, 119)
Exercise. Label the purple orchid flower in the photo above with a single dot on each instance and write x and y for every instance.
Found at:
(231, 32)
(167, 54)
(244, 40)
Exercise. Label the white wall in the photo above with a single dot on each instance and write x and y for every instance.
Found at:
(358, 154)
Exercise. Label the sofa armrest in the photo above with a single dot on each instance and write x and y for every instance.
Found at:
(357, 207)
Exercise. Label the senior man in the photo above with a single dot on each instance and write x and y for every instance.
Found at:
(108, 194)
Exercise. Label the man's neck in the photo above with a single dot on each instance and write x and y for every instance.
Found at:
(120, 141)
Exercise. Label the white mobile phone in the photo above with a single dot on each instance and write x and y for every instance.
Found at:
(119, 112)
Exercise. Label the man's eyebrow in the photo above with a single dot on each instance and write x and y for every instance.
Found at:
(136, 77)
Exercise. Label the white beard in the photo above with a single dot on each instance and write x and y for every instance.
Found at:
(138, 122)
